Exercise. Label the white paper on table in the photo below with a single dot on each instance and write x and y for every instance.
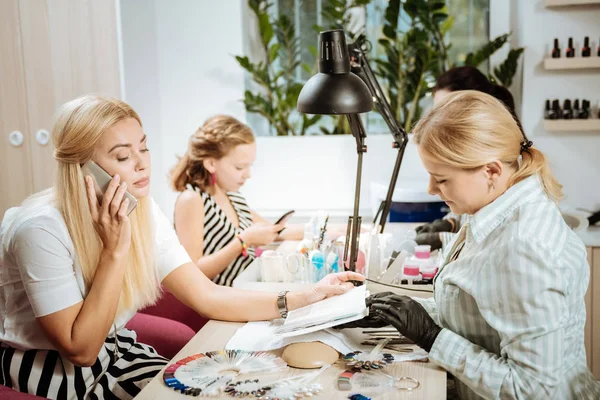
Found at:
(259, 336)
(327, 313)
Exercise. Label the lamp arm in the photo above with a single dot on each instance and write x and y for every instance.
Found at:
(360, 66)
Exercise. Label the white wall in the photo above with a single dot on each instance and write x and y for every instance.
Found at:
(179, 70)
(574, 156)
(311, 173)
(141, 76)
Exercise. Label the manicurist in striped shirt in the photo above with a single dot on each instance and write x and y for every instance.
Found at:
(507, 315)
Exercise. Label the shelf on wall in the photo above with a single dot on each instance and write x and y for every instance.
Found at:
(559, 3)
(572, 125)
(572, 63)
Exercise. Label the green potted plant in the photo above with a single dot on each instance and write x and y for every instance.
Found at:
(413, 58)
(275, 75)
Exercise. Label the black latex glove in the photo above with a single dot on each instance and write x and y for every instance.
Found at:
(439, 225)
(372, 320)
(408, 317)
(431, 238)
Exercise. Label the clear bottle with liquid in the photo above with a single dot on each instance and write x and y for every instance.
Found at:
(427, 265)
(411, 270)
(317, 263)
(407, 243)
(307, 244)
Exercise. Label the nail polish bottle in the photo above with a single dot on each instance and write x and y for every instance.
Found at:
(598, 49)
(547, 110)
(567, 111)
(570, 50)
(584, 112)
(556, 49)
(576, 109)
(556, 111)
(586, 51)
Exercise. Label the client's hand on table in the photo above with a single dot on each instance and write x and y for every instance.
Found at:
(331, 285)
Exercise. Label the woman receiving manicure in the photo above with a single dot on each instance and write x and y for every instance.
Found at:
(76, 269)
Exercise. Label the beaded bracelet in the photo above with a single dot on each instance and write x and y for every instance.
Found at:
(244, 246)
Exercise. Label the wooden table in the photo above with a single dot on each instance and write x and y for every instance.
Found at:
(215, 335)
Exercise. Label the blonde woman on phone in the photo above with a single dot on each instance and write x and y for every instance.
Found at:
(74, 271)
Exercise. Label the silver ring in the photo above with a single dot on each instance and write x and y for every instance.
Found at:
(407, 378)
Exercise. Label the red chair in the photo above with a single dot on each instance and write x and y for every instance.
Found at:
(165, 335)
(169, 307)
(9, 394)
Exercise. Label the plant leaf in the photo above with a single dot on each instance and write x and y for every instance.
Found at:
(479, 56)
(273, 51)
(505, 72)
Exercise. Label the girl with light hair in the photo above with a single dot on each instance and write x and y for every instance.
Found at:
(507, 314)
(79, 269)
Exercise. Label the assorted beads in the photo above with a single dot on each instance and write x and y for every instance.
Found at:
(246, 388)
(362, 361)
(253, 388)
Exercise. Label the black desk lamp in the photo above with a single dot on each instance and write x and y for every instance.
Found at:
(360, 66)
(335, 90)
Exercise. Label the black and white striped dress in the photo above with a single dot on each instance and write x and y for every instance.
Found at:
(115, 375)
(219, 231)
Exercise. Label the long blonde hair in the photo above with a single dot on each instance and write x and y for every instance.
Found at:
(471, 129)
(76, 133)
(214, 139)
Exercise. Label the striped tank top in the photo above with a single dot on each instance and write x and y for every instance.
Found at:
(219, 231)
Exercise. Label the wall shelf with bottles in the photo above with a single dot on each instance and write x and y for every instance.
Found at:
(572, 63)
(561, 3)
(572, 125)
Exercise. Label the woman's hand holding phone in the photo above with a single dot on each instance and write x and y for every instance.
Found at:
(261, 234)
(110, 218)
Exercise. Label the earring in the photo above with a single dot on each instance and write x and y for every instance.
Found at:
(213, 179)
(492, 187)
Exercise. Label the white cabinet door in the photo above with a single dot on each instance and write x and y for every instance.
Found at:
(15, 160)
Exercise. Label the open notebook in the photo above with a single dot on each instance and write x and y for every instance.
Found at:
(333, 311)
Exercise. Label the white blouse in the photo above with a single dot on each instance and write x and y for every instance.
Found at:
(40, 272)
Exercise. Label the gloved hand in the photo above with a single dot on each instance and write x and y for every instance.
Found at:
(408, 317)
(439, 225)
(372, 320)
(431, 238)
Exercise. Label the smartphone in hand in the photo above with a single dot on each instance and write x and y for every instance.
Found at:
(101, 180)
(284, 218)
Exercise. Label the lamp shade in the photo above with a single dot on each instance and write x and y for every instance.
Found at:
(334, 90)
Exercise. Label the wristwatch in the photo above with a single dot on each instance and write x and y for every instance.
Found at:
(282, 303)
